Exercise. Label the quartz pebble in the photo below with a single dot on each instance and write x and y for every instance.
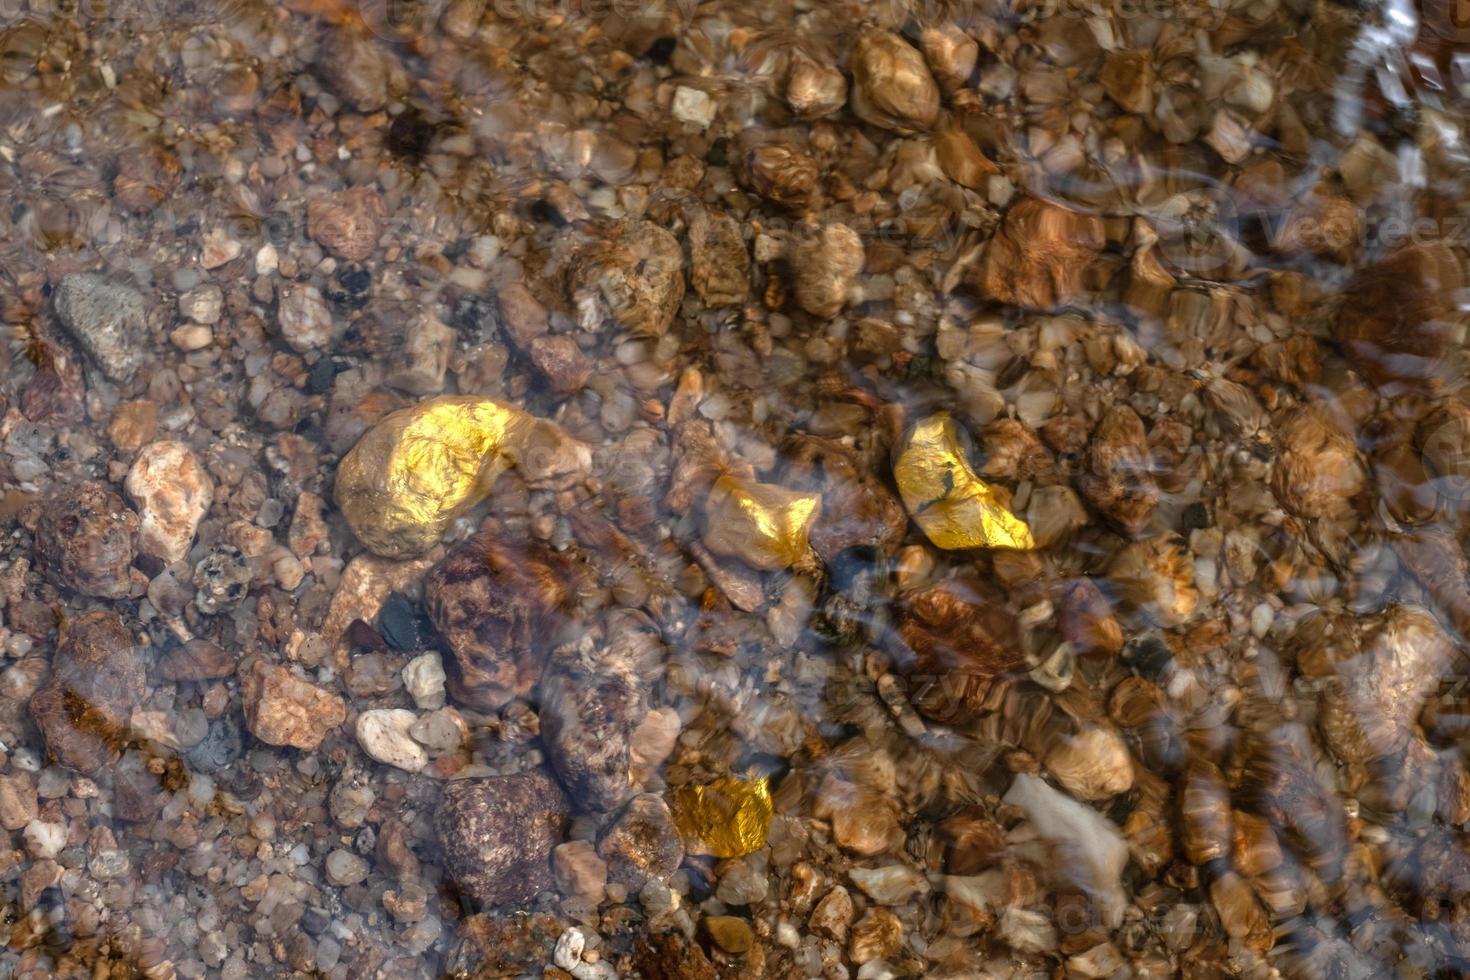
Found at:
(345, 868)
(423, 676)
(305, 320)
(383, 734)
(202, 305)
(283, 709)
(173, 493)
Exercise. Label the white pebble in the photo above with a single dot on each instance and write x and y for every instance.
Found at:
(424, 678)
(383, 735)
(568, 952)
(694, 106)
(44, 840)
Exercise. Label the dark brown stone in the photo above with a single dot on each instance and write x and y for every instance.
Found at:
(953, 640)
(87, 539)
(641, 842)
(671, 956)
(97, 679)
(500, 607)
(503, 945)
(498, 834)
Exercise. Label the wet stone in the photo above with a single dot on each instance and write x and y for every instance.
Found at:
(197, 660)
(498, 834)
(97, 679)
(499, 607)
(87, 539)
(173, 492)
(641, 842)
(220, 747)
(283, 709)
(222, 579)
(400, 625)
(107, 318)
(587, 723)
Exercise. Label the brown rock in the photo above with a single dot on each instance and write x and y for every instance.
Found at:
(1037, 258)
(1117, 472)
(500, 607)
(97, 679)
(197, 660)
(953, 640)
(671, 956)
(960, 159)
(833, 915)
(891, 85)
(87, 539)
(781, 173)
(641, 842)
(521, 317)
(347, 222)
(579, 871)
(489, 946)
(827, 265)
(587, 722)
(308, 528)
(133, 425)
(719, 267)
(1398, 315)
(877, 936)
(562, 361)
(145, 176)
(1318, 470)
(1085, 619)
(17, 800)
(498, 834)
(633, 277)
(863, 821)
(857, 510)
(973, 841)
(283, 709)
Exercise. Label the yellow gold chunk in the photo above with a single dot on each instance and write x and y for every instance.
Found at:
(419, 468)
(949, 502)
(763, 524)
(727, 818)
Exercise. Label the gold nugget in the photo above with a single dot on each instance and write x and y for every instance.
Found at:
(727, 818)
(763, 524)
(952, 505)
(419, 468)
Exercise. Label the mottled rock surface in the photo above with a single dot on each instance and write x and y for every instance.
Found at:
(173, 492)
(498, 834)
(97, 678)
(283, 709)
(499, 606)
(107, 318)
(87, 539)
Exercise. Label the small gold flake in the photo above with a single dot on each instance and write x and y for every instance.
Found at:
(952, 505)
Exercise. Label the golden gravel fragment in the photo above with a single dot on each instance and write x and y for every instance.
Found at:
(764, 525)
(949, 502)
(419, 468)
(726, 818)
(892, 87)
(1037, 258)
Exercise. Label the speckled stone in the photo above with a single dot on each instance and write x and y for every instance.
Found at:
(498, 834)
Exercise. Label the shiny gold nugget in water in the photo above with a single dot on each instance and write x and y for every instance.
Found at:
(726, 818)
(419, 468)
(949, 502)
(765, 525)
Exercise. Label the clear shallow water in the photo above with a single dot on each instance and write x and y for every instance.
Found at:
(746, 674)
